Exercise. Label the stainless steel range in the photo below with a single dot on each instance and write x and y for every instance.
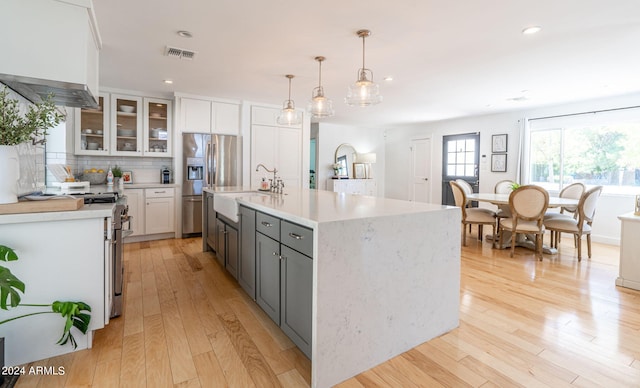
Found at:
(115, 233)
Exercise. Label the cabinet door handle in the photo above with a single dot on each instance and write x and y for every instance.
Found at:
(267, 224)
(296, 236)
(160, 192)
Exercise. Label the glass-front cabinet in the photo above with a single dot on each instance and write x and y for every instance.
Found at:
(126, 125)
(157, 127)
(92, 129)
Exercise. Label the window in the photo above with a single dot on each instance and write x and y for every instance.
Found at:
(595, 149)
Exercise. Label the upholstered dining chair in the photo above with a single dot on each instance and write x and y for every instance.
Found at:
(577, 226)
(468, 189)
(472, 216)
(573, 191)
(527, 204)
(504, 187)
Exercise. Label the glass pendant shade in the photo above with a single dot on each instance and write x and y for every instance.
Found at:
(364, 92)
(289, 115)
(320, 106)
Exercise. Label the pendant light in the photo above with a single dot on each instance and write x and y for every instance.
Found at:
(364, 92)
(320, 106)
(288, 114)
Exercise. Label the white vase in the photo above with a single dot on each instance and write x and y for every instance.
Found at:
(9, 174)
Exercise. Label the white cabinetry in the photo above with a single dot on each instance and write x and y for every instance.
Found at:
(135, 201)
(92, 132)
(206, 116)
(157, 137)
(114, 129)
(126, 125)
(273, 146)
(159, 210)
(152, 211)
(353, 186)
(629, 248)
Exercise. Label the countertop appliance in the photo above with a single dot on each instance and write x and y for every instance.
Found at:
(208, 161)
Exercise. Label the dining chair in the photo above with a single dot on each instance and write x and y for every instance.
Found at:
(504, 187)
(577, 226)
(573, 191)
(468, 189)
(472, 216)
(527, 205)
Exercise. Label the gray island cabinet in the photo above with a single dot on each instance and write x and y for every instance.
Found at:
(353, 280)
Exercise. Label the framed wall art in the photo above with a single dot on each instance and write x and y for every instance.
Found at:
(127, 177)
(499, 163)
(499, 143)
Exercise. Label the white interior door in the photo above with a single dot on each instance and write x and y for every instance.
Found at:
(420, 190)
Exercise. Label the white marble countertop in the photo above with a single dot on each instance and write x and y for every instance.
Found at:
(313, 207)
(629, 217)
(228, 189)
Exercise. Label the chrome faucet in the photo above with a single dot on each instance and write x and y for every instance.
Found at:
(274, 171)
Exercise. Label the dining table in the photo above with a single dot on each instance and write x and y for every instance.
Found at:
(525, 241)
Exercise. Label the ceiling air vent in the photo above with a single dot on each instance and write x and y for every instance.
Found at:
(175, 52)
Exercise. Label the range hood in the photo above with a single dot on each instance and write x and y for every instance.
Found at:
(59, 57)
(65, 93)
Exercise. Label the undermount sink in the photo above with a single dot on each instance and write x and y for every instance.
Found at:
(226, 204)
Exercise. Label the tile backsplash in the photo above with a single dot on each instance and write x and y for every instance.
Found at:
(144, 170)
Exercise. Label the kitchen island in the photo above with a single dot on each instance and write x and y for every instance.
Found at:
(61, 257)
(385, 274)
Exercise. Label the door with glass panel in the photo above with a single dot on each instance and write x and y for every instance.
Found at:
(460, 160)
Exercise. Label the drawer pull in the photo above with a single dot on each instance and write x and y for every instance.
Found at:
(280, 257)
(160, 192)
(267, 224)
(296, 236)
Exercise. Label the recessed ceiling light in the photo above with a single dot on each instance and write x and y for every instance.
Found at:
(168, 81)
(531, 30)
(388, 78)
(185, 34)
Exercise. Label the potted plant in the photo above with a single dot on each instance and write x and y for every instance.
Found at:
(117, 175)
(75, 314)
(17, 128)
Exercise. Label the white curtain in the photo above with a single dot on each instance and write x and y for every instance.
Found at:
(521, 167)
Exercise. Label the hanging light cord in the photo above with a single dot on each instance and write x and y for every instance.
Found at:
(320, 74)
(363, 36)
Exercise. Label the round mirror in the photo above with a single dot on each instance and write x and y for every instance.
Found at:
(345, 156)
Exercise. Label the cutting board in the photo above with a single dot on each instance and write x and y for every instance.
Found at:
(50, 205)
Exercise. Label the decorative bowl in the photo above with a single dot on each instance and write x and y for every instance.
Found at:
(126, 108)
(127, 132)
(94, 178)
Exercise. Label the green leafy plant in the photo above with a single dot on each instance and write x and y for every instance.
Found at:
(515, 185)
(75, 314)
(116, 171)
(16, 128)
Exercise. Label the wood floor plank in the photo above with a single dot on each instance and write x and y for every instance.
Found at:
(182, 366)
(107, 374)
(157, 363)
(449, 364)
(150, 301)
(209, 370)
(255, 363)
(82, 368)
(230, 362)
(292, 379)
(133, 310)
(132, 368)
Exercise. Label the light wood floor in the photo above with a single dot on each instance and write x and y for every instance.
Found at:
(187, 323)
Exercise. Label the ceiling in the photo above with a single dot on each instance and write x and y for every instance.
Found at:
(447, 58)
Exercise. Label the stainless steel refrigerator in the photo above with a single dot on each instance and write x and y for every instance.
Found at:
(208, 161)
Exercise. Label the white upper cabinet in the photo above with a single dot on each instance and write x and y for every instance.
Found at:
(266, 116)
(157, 135)
(92, 132)
(126, 125)
(206, 116)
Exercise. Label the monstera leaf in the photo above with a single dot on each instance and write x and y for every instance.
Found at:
(75, 317)
(9, 283)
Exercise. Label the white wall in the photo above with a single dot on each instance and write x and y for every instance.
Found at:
(364, 140)
(606, 227)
